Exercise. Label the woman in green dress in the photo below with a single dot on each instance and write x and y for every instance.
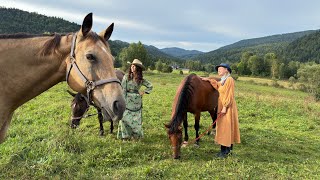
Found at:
(131, 124)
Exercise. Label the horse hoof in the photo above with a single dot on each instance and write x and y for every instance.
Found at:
(101, 133)
(184, 144)
(176, 157)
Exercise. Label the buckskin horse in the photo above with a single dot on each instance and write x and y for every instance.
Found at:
(31, 64)
(80, 106)
(193, 95)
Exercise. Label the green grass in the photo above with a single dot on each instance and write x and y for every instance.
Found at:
(280, 132)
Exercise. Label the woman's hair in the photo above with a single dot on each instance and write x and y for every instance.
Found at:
(136, 76)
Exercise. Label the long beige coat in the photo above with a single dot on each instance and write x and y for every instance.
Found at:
(227, 129)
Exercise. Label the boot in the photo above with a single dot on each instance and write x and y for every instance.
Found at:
(223, 152)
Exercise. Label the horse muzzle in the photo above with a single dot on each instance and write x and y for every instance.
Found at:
(75, 123)
(115, 112)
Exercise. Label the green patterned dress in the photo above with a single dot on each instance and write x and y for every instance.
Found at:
(131, 123)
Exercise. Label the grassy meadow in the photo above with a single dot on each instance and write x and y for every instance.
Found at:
(280, 133)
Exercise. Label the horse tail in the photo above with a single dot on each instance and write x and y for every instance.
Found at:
(182, 102)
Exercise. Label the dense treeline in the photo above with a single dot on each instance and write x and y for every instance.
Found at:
(304, 49)
(260, 46)
(17, 21)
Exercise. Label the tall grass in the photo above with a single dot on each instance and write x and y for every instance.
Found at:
(279, 133)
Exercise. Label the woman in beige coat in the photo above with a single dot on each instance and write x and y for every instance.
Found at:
(227, 129)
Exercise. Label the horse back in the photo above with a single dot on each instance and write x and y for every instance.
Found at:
(205, 97)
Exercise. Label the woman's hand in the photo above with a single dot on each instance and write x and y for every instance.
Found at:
(224, 110)
(205, 79)
(141, 93)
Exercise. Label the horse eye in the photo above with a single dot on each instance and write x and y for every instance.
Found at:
(90, 57)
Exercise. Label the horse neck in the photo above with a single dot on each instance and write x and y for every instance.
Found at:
(182, 101)
(25, 72)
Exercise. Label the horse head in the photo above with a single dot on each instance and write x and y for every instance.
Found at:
(90, 70)
(175, 137)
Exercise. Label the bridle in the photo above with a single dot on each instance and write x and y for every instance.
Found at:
(89, 84)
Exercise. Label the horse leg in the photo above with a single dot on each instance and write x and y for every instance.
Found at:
(111, 126)
(185, 126)
(196, 125)
(100, 117)
(213, 114)
(5, 120)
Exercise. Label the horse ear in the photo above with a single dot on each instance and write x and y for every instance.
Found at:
(106, 34)
(71, 93)
(86, 25)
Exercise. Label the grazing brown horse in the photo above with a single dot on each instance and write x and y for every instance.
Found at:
(80, 106)
(193, 95)
(31, 64)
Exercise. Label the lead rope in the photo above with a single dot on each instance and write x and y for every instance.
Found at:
(209, 128)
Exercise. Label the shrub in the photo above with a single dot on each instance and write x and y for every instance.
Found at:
(302, 87)
(275, 84)
(235, 76)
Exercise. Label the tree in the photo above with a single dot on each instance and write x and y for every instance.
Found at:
(209, 68)
(274, 68)
(282, 71)
(166, 68)
(256, 65)
(134, 51)
(309, 74)
(269, 58)
(159, 65)
(244, 66)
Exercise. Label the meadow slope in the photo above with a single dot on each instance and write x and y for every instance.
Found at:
(280, 132)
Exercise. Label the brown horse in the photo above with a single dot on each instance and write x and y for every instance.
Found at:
(80, 106)
(31, 64)
(193, 95)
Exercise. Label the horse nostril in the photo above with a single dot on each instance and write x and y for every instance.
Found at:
(118, 108)
(115, 107)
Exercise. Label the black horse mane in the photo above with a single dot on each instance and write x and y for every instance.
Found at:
(182, 104)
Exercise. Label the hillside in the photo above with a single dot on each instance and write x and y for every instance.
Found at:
(181, 53)
(16, 21)
(260, 46)
(304, 49)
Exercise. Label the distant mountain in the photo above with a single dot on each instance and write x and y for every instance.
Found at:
(260, 46)
(158, 54)
(181, 53)
(116, 46)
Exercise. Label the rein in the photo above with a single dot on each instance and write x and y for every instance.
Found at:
(84, 116)
(209, 128)
(89, 84)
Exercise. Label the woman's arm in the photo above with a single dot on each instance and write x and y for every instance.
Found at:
(148, 86)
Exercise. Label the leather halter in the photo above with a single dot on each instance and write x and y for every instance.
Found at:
(89, 84)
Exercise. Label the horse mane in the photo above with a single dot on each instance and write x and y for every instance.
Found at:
(22, 35)
(182, 103)
(51, 46)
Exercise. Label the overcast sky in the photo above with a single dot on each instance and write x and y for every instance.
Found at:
(203, 25)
